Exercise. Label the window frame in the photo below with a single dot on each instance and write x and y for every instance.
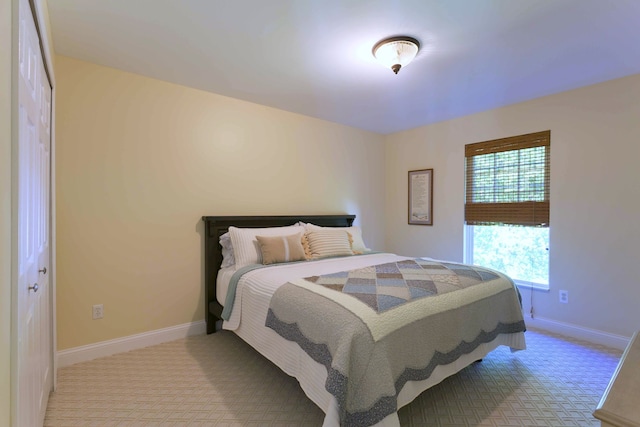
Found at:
(526, 213)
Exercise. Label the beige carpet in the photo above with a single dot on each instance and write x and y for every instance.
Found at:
(218, 380)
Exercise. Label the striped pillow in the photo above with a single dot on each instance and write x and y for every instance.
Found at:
(277, 249)
(357, 245)
(327, 243)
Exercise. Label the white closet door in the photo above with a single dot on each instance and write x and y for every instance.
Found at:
(34, 362)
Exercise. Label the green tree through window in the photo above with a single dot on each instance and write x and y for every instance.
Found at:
(520, 252)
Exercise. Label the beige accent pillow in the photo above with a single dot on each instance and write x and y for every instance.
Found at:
(328, 243)
(277, 249)
(305, 245)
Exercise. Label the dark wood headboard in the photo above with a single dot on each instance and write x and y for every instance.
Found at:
(215, 226)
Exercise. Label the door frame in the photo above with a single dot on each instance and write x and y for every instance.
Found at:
(41, 17)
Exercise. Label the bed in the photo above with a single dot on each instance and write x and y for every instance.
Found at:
(358, 357)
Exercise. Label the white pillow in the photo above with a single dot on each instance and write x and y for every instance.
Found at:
(246, 249)
(358, 245)
(227, 251)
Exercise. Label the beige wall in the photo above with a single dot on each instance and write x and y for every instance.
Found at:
(5, 211)
(139, 161)
(595, 196)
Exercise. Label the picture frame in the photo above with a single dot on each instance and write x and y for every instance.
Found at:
(421, 197)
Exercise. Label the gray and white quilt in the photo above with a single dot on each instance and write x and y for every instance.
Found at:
(378, 327)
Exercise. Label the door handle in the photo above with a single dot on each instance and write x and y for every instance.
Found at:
(43, 271)
(34, 288)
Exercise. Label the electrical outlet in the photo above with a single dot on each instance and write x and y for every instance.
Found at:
(564, 297)
(98, 311)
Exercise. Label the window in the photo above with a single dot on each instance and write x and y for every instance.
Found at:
(507, 206)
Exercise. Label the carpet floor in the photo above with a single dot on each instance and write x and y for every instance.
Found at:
(218, 380)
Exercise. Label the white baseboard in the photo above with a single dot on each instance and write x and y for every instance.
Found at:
(119, 345)
(132, 342)
(578, 332)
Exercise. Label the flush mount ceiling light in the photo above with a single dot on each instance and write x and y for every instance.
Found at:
(396, 52)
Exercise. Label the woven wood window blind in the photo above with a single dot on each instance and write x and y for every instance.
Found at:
(507, 181)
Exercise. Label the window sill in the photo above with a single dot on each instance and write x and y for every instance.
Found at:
(532, 286)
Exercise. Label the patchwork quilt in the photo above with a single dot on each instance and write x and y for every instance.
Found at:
(378, 327)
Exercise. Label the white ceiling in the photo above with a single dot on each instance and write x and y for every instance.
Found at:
(313, 57)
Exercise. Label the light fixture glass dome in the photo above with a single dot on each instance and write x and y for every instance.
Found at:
(396, 52)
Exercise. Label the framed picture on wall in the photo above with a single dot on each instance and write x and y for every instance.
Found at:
(421, 197)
